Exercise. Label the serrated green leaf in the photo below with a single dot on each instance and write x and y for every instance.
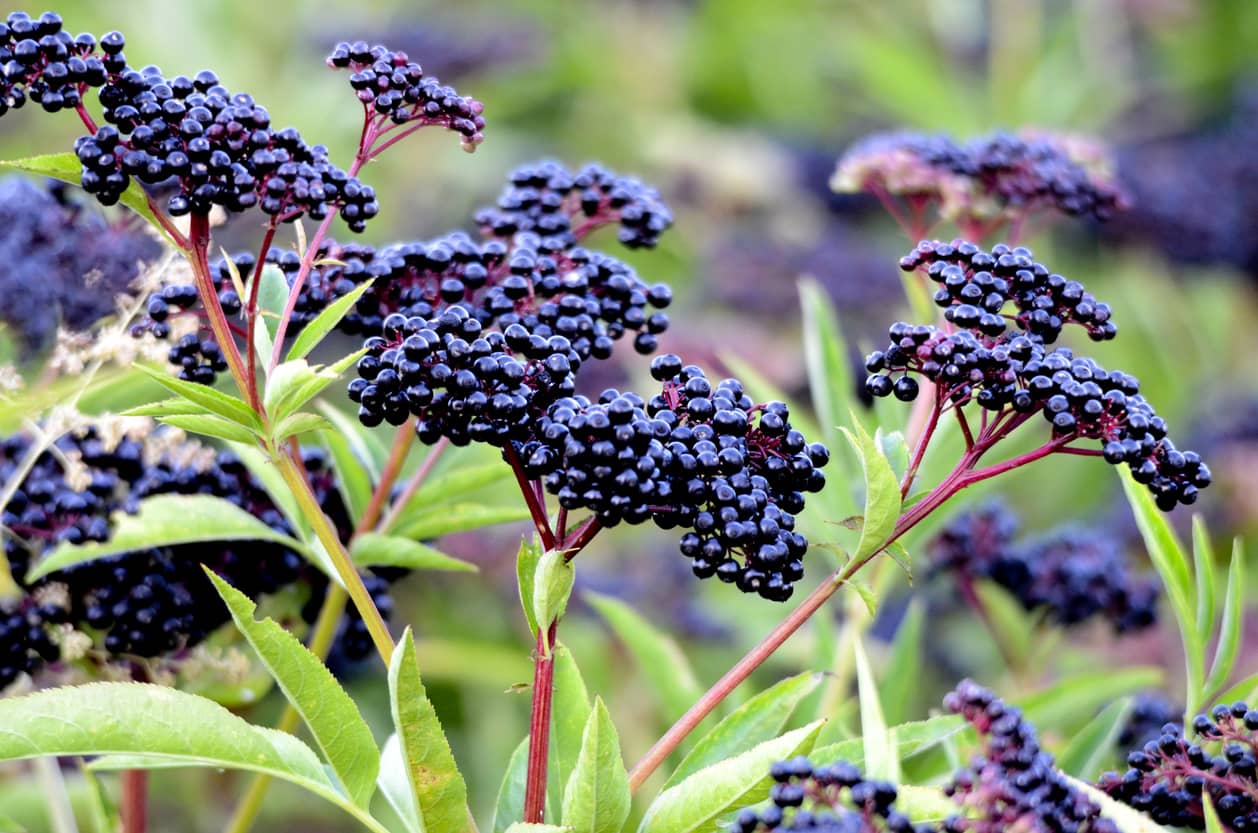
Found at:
(596, 798)
(570, 711)
(176, 406)
(395, 785)
(658, 655)
(67, 168)
(699, 801)
(1128, 819)
(150, 723)
(353, 479)
(325, 322)
(440, 791)
(166, 520)
(332, 717)
(373, 550)
(526, 561)
(1092, 747)
(510, 803)
(899, 680)
(882, 492)
(1070, 698)
(881, 760)
(825, 356)
(302, 422)
(459, 517)
(272, 298)
(866, 593)
(759, 719)
(894, 448)
(1203, 572)
(293, 384)
(211, 426)
(1231, 626)
(552, 586)
(211, 399)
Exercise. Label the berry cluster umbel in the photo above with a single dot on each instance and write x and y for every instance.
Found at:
(142, 603)
(1072, 574)
(1168, 777)
(994, 178)
(977, 357)
(41, 62)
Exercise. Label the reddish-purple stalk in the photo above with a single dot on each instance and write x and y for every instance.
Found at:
(539, 724)
(198, 257)
(251, 308)
(134, 804)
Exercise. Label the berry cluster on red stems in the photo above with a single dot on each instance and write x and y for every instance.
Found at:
(1168, 777)
(390, 84)
(835, 798)
(976, 357)
(42, 62)
(1012, 784)
(1070, 573)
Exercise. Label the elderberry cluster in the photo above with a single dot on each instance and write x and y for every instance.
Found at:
(393, 86)
(1071, 574)
(1170, 774)
(141, 603)
(1150, 712)
(64, 264)
(980, 359)
(42, 62)
(1012, 784)
(1001, 176)
(826, 799)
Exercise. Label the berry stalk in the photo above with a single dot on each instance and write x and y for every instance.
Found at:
(198, 258)
(539, 725)
(134, 805)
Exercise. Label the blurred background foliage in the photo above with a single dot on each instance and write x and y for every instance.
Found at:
(737, 110)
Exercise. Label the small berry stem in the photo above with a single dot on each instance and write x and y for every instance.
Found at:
(539, 725)
(88, 122)
(251, 307)
(198, 258)
(134, 804)
(965, 428)
(412, 486)
(923, 440)
(403, 440)
(536, 508)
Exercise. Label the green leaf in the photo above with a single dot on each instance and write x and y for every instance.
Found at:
(333, 719)
(1213, 825)
(825, 355)
(900, 683)
(293, 384)
(910, 738)
(211, 426)
(924, 804)
(1092, 747)
(699, 801)
(759, 719)
(570, 711)
(1246, 690)
(8, 825)
(1231, 627)
(367, 445)
(552, 586)
(882, 492)
(298, 423)
(211, 399)
(1128, 819)
(1203, 572)
(510, 803)
(325, 322)
(440, 791)
(881, 760)
(526, 561)
(272, 298)
(894, 448)
(163, 521)
(460, 483)
(596, 799)
(159, 725)
(459, 517)
(67, 168)
(176, 406)
(1012, 625)
(1064, 702)
(657, 654)
(395, 785)
(373, 550)
(353, 473)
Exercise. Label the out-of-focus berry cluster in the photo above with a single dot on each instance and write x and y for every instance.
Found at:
(1168, 776)
(1150, 711)
(978, 358)
(1071, 574)
(64, 265)
(144, 603)
(990, 179)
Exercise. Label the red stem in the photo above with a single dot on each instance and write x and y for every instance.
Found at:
(402, 442)
(919, 452)
(539, 725)
(251, 309)
(536, 509)
(417, 480)
(965, 428)
(199, 232)
(134, 804)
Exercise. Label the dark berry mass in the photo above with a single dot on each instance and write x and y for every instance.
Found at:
(1013, 371)
(1167, 776)
(42, 62)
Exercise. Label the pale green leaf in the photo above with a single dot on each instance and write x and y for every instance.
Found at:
(325, 322)
(658, 655)
(881, 760)
(332, 717)
(353, 473)
(459, 517)
(440, 791)
(176, 406)
(825, 356)
(900, 679)
(163, 521)
(301, 422)
(759, 719)
(910, 738)
(1213, 825)
(526, 561)
(272, 298)
(373, 550)
(711, 794)
(1231, 627)
(924, 804)
(510, 804)
(596, 799)
(395, 785)
(570, 711)
(1092, 747)
(211, 426)
(552, 586)
(211, 399)
(894, 448)
(1203, 572)
(882, 492)
(1246, 690)
(1079, 695)
(367, 446)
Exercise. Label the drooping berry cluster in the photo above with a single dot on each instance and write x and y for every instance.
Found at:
(994, 178)
(64, 265)
(826, 799)
(391, 85)
(1012, 784)
(1168, 776)
(1071, 574)
(143, 603)
(978, 358)
(42, 62)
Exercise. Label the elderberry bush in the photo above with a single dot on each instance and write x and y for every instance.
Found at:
(1015, 370)
(1168, 776)
(1071, 573)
